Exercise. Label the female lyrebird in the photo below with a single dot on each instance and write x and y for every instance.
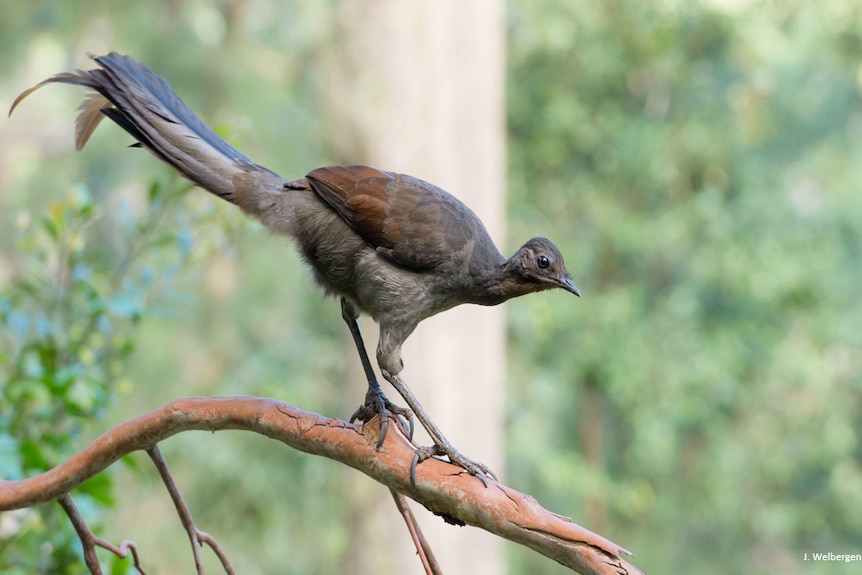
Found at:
(389, 245)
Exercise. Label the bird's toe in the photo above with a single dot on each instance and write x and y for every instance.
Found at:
(377, 404)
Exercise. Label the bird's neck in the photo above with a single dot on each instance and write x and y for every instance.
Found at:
(500, 283)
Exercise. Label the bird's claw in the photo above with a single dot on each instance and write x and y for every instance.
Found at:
(376, 403)
(480, 470)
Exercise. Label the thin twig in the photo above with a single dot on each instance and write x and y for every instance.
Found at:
(90, 541)
(423, 549)
(219, 551)
(196, 537)
(180, 504)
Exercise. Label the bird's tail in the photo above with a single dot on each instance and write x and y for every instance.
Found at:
(142, 103)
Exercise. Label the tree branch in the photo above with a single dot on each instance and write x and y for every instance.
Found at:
(196, 537)
(89, 541)
(426, 556)
(440, 486)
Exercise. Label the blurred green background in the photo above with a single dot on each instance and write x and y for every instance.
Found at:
(699, 163)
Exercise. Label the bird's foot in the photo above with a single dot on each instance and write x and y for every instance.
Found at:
(480, 470)
(376, 403)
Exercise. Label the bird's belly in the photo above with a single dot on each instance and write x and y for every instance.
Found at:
(390, 293)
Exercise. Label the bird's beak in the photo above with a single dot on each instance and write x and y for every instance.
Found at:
(568, 285)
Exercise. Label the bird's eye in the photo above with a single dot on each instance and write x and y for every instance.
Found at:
(543, 262)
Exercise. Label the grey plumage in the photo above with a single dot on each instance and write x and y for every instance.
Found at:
(392, 246)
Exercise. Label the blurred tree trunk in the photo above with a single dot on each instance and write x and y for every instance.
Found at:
(591, 444)
(418, 88)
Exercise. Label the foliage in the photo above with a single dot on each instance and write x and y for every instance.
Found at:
(701, 165)
(68, 320)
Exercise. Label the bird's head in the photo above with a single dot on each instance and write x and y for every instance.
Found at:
(539, 264)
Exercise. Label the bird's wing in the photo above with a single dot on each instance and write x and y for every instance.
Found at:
(413, 223)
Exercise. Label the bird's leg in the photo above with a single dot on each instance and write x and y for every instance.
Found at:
(376, 403)
(441, 445)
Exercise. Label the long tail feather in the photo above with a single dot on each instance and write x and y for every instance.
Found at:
(143, 104)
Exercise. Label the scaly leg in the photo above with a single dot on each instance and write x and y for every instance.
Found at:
(376, 403)
(441, 445)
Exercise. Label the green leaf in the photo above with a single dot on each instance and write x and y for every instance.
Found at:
(99, 488)
(125, 305)
(10, 460)
(33, 456)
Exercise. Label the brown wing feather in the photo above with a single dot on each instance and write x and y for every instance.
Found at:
(358, 194)
(413, 223)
